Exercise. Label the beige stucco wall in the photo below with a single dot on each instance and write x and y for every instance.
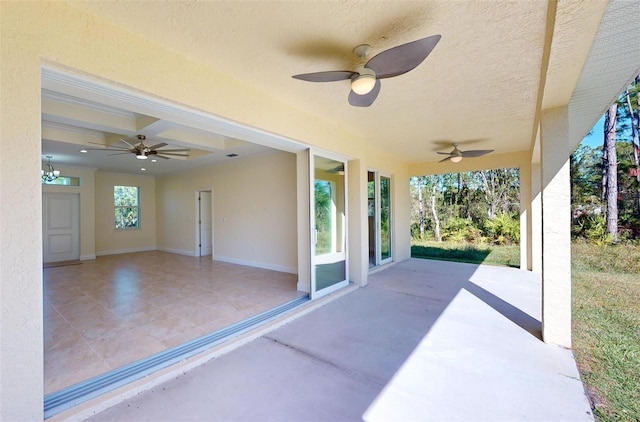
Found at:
(87, 205)
(57, 35)
(112, 241)
(254, 210)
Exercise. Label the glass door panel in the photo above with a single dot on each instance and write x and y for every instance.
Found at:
(371, 217)
(380, 218)
(385, 218)
(328, 221)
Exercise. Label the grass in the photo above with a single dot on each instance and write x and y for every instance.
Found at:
(606, 327)
(505, 255)
(605, 310)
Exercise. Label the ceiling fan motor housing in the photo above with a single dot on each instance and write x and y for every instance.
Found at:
(364, 81)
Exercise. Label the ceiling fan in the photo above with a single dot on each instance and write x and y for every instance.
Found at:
(142, 152)
(365, 79)
(456, 155)
(337, 170)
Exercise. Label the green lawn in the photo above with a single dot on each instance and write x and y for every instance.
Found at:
(606, 327)
(606, 316)
(506, 255)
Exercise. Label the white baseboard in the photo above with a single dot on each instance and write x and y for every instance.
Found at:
(87, 257)
(120, 251)
(273, 267)
(178, 251)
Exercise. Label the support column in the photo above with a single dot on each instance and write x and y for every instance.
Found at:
(525, 217)
(21, 294)
(358, 223)
(556, 227)
(536, 218)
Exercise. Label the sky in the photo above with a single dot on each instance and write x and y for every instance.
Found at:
(596, 137)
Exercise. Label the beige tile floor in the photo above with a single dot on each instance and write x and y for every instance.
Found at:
(114, 310)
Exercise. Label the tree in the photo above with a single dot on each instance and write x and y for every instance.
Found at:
(436, 227)
(610, 172)
(461, 203)
(421, 208)
(632, 103)
(500, 189)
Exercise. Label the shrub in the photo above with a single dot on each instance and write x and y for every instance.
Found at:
(461, 230)
(591, 227)
(504, 229)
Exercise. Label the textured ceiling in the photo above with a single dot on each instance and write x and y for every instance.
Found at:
(480, 85)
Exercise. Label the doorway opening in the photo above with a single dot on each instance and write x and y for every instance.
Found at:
(205, 223)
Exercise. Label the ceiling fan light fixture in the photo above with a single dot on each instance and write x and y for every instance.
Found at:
(141, 156)
(364, 82)
(456, 158)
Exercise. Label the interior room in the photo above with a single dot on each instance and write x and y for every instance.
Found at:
(209, 240)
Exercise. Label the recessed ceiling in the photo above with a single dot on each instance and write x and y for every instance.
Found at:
(71, 125)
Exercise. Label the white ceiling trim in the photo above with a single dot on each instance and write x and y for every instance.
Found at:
(59, 81)
(74, 129)
(62, 98)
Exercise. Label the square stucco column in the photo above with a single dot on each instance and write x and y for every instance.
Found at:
(21, 300)
(556, 227)
(525, 217)
(536, 218)
(358, 223)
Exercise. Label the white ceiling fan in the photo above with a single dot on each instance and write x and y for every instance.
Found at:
(365, 79)
(457, 155)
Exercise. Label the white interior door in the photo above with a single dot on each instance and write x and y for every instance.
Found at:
(60, 227)
(206, 224)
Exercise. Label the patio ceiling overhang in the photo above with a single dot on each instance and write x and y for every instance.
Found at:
(497, 66)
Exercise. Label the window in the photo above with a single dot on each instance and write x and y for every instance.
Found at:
(127, 209)
(63, 181)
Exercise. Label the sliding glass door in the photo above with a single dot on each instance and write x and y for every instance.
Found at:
(328, 225)
(380, 218)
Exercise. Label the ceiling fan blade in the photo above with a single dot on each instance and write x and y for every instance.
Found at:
(444, 153)
(171, 153)
(444, 159)
(124, 150)
(125, 141)
(476, 153)
(365, 100)
(118, 153)
(106, 146)
(172, 150)
(160, 145)
(329, 76)
(403, 58)
(162, 156)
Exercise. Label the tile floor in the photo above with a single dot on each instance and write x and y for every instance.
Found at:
(105, 313)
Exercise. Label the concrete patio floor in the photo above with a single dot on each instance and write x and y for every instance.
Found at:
(424, 341)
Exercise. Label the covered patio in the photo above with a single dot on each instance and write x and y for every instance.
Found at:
(425, 340)
(526, 80)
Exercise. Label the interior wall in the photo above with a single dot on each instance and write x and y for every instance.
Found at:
(87, 205)
(110, 240)
(254, 210)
